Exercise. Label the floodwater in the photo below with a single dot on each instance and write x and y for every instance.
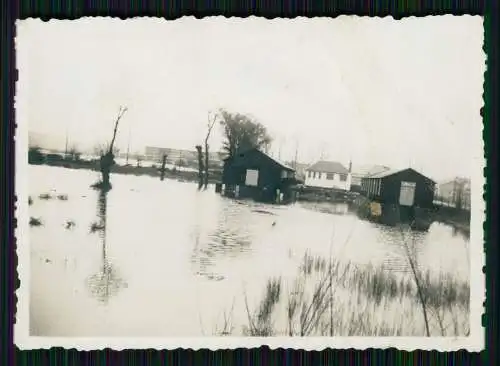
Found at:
(160, 258)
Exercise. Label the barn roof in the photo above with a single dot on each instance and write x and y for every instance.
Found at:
(255, 150)
(390, 172)
(277, 161)
(328, 167)
(367, 170)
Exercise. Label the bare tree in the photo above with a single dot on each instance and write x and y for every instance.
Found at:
(210, 126)
(107, 159)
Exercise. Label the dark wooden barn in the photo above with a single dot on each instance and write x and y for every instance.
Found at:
(255, 174)
(400, 191)
(405, 187)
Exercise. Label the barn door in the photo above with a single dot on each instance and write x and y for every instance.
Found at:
(252, 178)
(407, 193)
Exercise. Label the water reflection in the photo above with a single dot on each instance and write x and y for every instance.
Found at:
(327, 207)
(230, 238)
(402, 242)
(106, 283)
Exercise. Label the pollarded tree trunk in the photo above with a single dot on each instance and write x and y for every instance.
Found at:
(200, 166)
(162, 170)
(206, 165)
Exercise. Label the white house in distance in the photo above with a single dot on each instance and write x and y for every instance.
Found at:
(328, 174)
(364, 171)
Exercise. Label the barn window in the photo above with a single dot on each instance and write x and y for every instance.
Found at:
(319, 175)
(379, 186)
(314, 175)
(309, 174)
(252, 177)
(343, 177)
(329, 176)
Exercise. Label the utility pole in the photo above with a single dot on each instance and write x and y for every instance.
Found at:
(66, 144)
(296, 155)
(128, 144)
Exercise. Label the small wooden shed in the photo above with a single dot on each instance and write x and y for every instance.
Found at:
(255, 174)
(404, 188)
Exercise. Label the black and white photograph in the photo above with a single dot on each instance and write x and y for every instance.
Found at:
(228, 182)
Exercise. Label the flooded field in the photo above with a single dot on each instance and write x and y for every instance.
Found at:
(153, 258)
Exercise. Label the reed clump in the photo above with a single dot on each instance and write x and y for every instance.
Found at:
(331, 298)
(34, 221)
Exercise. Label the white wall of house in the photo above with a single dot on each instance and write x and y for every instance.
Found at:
(328, 180)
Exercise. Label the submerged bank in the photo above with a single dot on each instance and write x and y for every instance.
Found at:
(151, 171)
(458, 219)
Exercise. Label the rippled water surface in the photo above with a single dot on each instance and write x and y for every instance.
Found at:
(153, 258)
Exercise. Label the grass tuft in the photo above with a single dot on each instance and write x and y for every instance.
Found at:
(95, 226)
(35, 221)
(62, 197)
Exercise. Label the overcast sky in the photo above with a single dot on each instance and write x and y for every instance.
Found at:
(373, 90)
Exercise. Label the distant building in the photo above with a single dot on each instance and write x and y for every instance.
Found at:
(153, 153)
(405, 187)
(455, 192)
(364, 171)
(255, 174)
(328, 174)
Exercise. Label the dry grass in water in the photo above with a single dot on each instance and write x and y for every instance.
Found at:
(94, 227)
(329, 298)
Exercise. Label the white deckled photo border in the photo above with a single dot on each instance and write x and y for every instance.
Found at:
(22, 338)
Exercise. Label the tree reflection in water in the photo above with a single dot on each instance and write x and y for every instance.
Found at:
(106, 283)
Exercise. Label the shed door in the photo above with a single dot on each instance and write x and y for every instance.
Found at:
(252, 177)
(407, 193)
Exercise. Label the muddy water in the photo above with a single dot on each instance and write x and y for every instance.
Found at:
(154, 258)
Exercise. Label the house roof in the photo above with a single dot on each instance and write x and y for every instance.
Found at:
(328, 167)
(367, 170)
(390, 172)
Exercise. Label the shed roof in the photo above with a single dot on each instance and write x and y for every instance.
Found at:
(390, 172)
(328, 167)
